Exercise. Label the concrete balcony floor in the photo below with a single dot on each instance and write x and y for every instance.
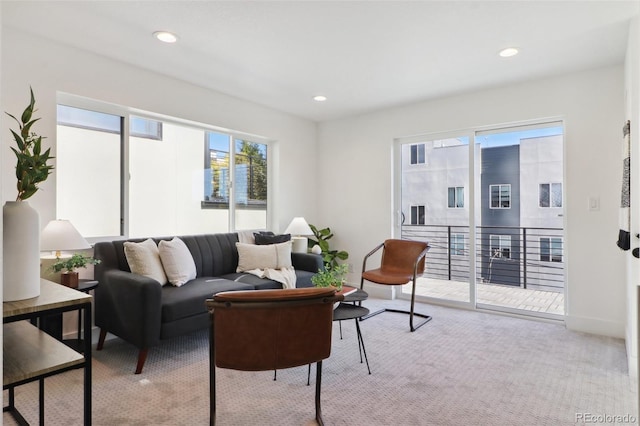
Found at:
(492, 294)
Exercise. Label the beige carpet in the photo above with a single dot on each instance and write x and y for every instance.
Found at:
(463, 368)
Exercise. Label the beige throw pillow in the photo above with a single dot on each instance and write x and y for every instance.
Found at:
(144, 259)
(272, 256)
(177, 261)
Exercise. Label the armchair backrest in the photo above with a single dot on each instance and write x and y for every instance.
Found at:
(271, 329)
(399, 256)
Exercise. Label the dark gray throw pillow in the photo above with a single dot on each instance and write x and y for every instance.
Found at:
(264, 238)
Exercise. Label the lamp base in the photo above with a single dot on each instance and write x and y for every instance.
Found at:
(299, 244)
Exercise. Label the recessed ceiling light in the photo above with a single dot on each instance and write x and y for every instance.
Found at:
(319, 98)
(165, 36)
(508, 52)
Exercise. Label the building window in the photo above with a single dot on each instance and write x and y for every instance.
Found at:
(417, 154)
(456, 197)
(500, 196)
(550, 195)
(456, 245)
(551, 249)
(417, 215)
(500, 246)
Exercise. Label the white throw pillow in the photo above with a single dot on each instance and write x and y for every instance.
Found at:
(272, 256)
(177, 261)
(144, 259)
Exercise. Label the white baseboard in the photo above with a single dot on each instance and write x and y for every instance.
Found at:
(595, 326)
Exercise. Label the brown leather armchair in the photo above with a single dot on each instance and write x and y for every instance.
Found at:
(402, 261)
(270, 330)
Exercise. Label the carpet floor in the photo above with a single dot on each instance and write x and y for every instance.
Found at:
(462, 368)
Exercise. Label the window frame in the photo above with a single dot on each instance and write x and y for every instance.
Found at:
(125, 113)
(500, 249)
(419, 208)
(458, 192)
(500, 196)
(457, 244)
(420, 154)
(547, 249)
(550, 193)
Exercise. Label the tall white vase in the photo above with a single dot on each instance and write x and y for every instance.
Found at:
(21, 251)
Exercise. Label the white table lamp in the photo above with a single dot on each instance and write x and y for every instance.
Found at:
(60, 235)
(298, 228)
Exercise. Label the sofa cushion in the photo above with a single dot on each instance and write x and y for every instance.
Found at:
(303, 278)
(144, 259)
(273, 256)
(177, 261)
(213, 254)
(189, 299)
(263, 238)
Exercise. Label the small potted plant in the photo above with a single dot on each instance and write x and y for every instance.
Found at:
(69, 265)
(331, 276)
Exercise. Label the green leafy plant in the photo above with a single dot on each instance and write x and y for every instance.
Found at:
(322, 237)
(72, 263)
(331, 275)
(32, 167)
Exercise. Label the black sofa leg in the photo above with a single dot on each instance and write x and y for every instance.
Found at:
(142, 357)
(103, 335)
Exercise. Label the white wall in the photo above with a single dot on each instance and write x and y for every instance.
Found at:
(50, 68)
(632, 112)
(355, 197)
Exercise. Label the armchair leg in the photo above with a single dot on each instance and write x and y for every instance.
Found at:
(212, 375)
(142, 357)
(411, 312)
(318, 389)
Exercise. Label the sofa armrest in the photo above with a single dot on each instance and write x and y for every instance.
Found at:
(307, 261)
(129, 306)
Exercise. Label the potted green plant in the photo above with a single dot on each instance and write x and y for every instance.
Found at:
(31, 166)
(331, 276)
(322, 237)
(21, 223)
(69, 265)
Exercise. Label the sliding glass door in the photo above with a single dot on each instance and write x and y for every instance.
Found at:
(490, 205)
(434, 205)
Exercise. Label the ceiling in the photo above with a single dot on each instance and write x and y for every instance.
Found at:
(362, 55)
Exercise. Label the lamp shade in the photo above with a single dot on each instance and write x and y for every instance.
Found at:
(298, 226)
(61, 235)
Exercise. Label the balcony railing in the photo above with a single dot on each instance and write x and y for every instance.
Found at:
(515, 256)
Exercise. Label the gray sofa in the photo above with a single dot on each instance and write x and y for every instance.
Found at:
(141, 312)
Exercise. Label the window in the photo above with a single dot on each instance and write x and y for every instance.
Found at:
(417, 154)
(145, 128)
(456, 244)
(456, 197)
(550, 195)
(89, 144)
(249, 172)
(551, 249)
(500, 246)
(417, 215)
(500, 196)
(155, 182)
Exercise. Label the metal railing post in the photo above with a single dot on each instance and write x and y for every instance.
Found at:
(449, 249)
(524, 258)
